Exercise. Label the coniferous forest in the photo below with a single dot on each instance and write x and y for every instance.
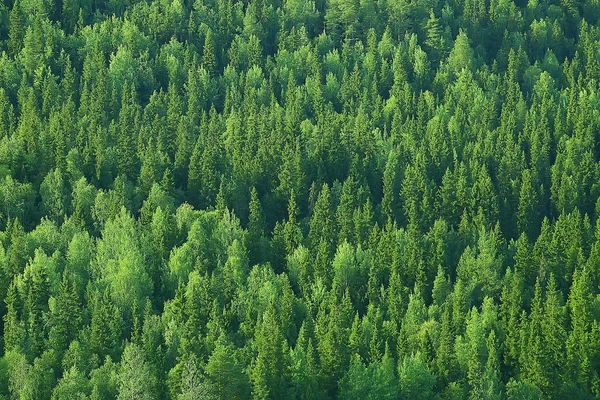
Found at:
(293, 199)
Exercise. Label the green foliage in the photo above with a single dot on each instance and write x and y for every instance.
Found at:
(119, 262)
(226, 373)
(236, 199)
(376, 381)
(415, 378)
(73, 385)
(135, 377)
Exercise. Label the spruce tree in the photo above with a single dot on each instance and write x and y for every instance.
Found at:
(209, 60)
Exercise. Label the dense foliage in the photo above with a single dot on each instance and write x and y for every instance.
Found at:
(292, 199)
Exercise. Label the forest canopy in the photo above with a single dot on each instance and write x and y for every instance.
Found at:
(299, 199)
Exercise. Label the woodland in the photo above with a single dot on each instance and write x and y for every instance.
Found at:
(299, 199)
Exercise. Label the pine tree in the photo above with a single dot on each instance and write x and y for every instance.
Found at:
(304, 376)
(533, 357)
(528, 218)
(70, 14)
(391, 188)
(357, 340)
(65, 317)
(30, 125)
(254, 51)
(209, 59)
(255, 236)
(445, 359)
(491, 382)
(36, 296)
(510, 314)
(5, 109)
(291, 230)
(461, 55)
(441, 289)
(435, 40)
(17, 28)
(580, 346)
(127, 158)
(53, 191)
(197, 309)
(268, 376)
(194, 175)
(136, 380)
(17, 252)
(168, 140)
(321, 222)
(106, 324)
(14, 329)
(554, 336)
(182, 154)
(227, 375)
(345, 210)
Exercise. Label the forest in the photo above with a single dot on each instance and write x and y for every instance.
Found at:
(299, 199)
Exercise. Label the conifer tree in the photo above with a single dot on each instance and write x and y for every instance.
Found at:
(127, 159)
(14, 329)
(255, 236)
(227, 375)
(65, 317)
(209, 59)
(135, 378)
(17, 28)
(268, 376)
(528, 213)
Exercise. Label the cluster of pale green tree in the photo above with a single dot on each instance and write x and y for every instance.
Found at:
(292, 199)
